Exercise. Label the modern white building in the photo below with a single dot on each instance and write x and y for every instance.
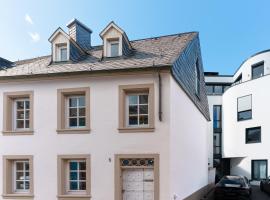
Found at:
(126, 120)
(240, 126)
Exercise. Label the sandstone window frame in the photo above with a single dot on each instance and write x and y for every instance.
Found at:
(62, 95)
(8, 177)
(62, 172)
(8, 113)
(124, 90)
(118, 172)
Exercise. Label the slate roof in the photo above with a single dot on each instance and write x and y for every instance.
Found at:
(150, 52)
(5, 63)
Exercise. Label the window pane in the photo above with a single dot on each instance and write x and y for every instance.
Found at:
(133, 120)
(259, 169)
(19, 165)
(82, 122)
(72, 102)
(218, 89)
(27, 175)
(27, 114)
(133, 99)
(63, 53)
(81, 101)
(20, 124)
(244, 115)
(143, 109)
(82, 166)
(73, 185)
(27, 105)
(253, 135)
(27, 185)
(73, 176)
(26, 123)
(19, 176)
(27, 166)
(114, 49)
(73, 122)
(20, 114)
(73, 112)
(19, 185)
(82, 112)
(143, 99)
(82, 185)
(20, 104)
(73, 165)
(209, 89)
(82, 175)
(143, 120)
(257, 71)
(133, 110)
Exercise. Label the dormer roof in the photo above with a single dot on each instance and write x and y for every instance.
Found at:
(59, 30)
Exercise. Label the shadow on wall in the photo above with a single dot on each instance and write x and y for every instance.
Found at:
(236, 162)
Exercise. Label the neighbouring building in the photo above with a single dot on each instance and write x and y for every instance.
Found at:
(239, 126)
(125, 120)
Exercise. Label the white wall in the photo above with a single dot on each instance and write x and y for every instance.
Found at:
(245, 69)
(234, 131)
(188, 145)
(102, 143)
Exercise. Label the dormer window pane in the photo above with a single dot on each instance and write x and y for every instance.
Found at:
(114, 49)
(63, 54)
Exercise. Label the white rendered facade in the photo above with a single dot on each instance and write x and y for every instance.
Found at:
(246, 154)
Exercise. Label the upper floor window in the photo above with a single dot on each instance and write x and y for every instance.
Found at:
(257, 70)
(22, 174)
(21, 114)
(77, 175)
(197, 78)
(253, 135)
(215, 89)
(18, 113)
(217, 117)
(61, 52)
(244, 108)
(136, 104)
(73, 110)
(113, 48)
(137, 111)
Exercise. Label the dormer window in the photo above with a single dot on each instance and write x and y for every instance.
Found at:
(61, 52)
(113, 48)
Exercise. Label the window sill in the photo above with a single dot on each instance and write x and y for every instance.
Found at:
(74, 131)
(14, 133)
(135, 130)
(18, 196)
(73, 196)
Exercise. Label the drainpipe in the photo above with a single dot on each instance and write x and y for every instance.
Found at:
(159, 97)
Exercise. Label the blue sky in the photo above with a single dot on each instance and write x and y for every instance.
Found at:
(230, 30)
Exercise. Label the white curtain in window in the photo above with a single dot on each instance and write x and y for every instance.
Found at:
(244, 103)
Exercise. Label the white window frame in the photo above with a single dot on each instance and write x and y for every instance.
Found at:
(77, 107)
(138, 114)
(69, 191)
(15, 190)
(110, 47)
(24, 110)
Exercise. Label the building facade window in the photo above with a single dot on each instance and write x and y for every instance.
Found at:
(76, 111)
(217, 117)
(215, 89)
(73, 110)
(259, 169)
(74, 176)
(257, 70)
(136, 108)
(244, 108)
(63, 54)
(18, 113)
(217, 130)
(114, 48)
(18, 176)
(253, 135)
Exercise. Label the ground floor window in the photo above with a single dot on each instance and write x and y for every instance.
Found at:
(259, 169)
